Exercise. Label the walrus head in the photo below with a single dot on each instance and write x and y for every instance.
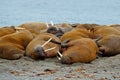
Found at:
(40, 52)
(54, 30)
(64, 59)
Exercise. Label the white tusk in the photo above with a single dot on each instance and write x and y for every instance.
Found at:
(50, 49)
(59, 54)
(47, 25)
(58, 58)
(52, 23)
(46, 42)
(19, 28)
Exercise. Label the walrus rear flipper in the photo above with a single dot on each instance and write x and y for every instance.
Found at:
(97, 39)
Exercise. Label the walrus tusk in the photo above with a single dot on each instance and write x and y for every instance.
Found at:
(59, 54)
(47, 25)
(58, 58)
(46, 42)
(51, 22)
(50, 49)
(18, 28)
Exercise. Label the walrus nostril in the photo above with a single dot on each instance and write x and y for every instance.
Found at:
(63, 60)
(40, 51)
(52, 30)
(66, 60)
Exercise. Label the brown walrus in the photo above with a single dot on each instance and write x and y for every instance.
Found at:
(82, 50)
(35, 27)
(38, 48)
(12, 46)
(110, 41)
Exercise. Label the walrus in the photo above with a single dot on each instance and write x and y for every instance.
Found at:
(110, 41)
(12, 46)
(87, 26)
(35, 27)
(109, 45)
(41, 47)
(82, 50)
(104, 31)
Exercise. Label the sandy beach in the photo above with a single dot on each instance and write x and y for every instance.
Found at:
(103, 68)
(16, 12)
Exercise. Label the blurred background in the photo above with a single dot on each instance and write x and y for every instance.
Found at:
(16, 12)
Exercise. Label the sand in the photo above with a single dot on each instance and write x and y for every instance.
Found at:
(103, 68)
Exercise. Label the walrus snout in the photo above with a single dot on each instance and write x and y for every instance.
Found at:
(40, 52)
(52, 30)
(65, 60)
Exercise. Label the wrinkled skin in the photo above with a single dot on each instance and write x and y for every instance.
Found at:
(12, 46)
(76, 33)
(36, 51)
(110, 41)
(7, 30)
(87, 26)
(110, 45)
(35, 27)
(82, 50)
(105, 30)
